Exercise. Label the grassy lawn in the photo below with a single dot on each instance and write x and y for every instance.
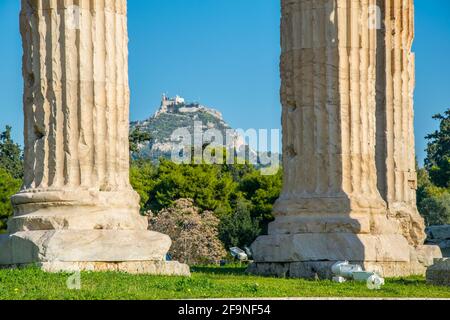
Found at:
(206, 282)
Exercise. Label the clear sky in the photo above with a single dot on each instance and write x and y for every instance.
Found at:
(224, 53)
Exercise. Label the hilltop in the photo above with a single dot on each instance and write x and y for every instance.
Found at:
(175, 113)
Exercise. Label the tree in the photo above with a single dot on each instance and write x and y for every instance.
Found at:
(262, 191)
(138, 137)
(10, 155)
(433, 193)
(208, 186)
(424, 185)
(142, 178)
(433, 202)
(239, 195)
(239, 229)
(8, 187)
(438, 152)
(436, 209)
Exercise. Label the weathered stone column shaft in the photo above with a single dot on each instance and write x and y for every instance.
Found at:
(76, 94)
(328, 95)
(76, 106)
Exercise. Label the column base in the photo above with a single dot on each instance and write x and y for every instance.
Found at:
(311, 255)
(331, 247)
(412, 225)
(76, 209)
(321, 270)
(134, 251)
(82, 219)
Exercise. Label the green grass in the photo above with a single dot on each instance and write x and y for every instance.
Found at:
(206, 282)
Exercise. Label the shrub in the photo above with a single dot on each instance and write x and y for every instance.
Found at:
(194, 234)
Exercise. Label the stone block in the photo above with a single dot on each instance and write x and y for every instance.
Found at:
(439, 232)
(439, 273)
(427, 254)
(5, 250)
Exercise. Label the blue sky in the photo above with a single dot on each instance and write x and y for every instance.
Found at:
(224, 53)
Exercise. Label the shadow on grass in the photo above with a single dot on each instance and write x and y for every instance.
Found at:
(410, 281)
(227, 270)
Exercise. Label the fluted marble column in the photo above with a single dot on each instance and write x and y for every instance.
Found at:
(77, 209)
(328, 96)
(76, 103)
(397, 177)
(76, 94)
(330, 208)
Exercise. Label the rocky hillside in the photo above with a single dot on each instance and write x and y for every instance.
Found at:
(173, 114)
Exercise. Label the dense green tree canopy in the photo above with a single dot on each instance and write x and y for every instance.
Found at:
(433, 194)
(239, 229)
(138, 137)
(238, 194)
(8, 187)
(209, 187)
(262, 191)
(10, 155)
(143, 176)
(438, 152)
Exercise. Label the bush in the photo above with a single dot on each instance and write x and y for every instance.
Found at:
(194, 234)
